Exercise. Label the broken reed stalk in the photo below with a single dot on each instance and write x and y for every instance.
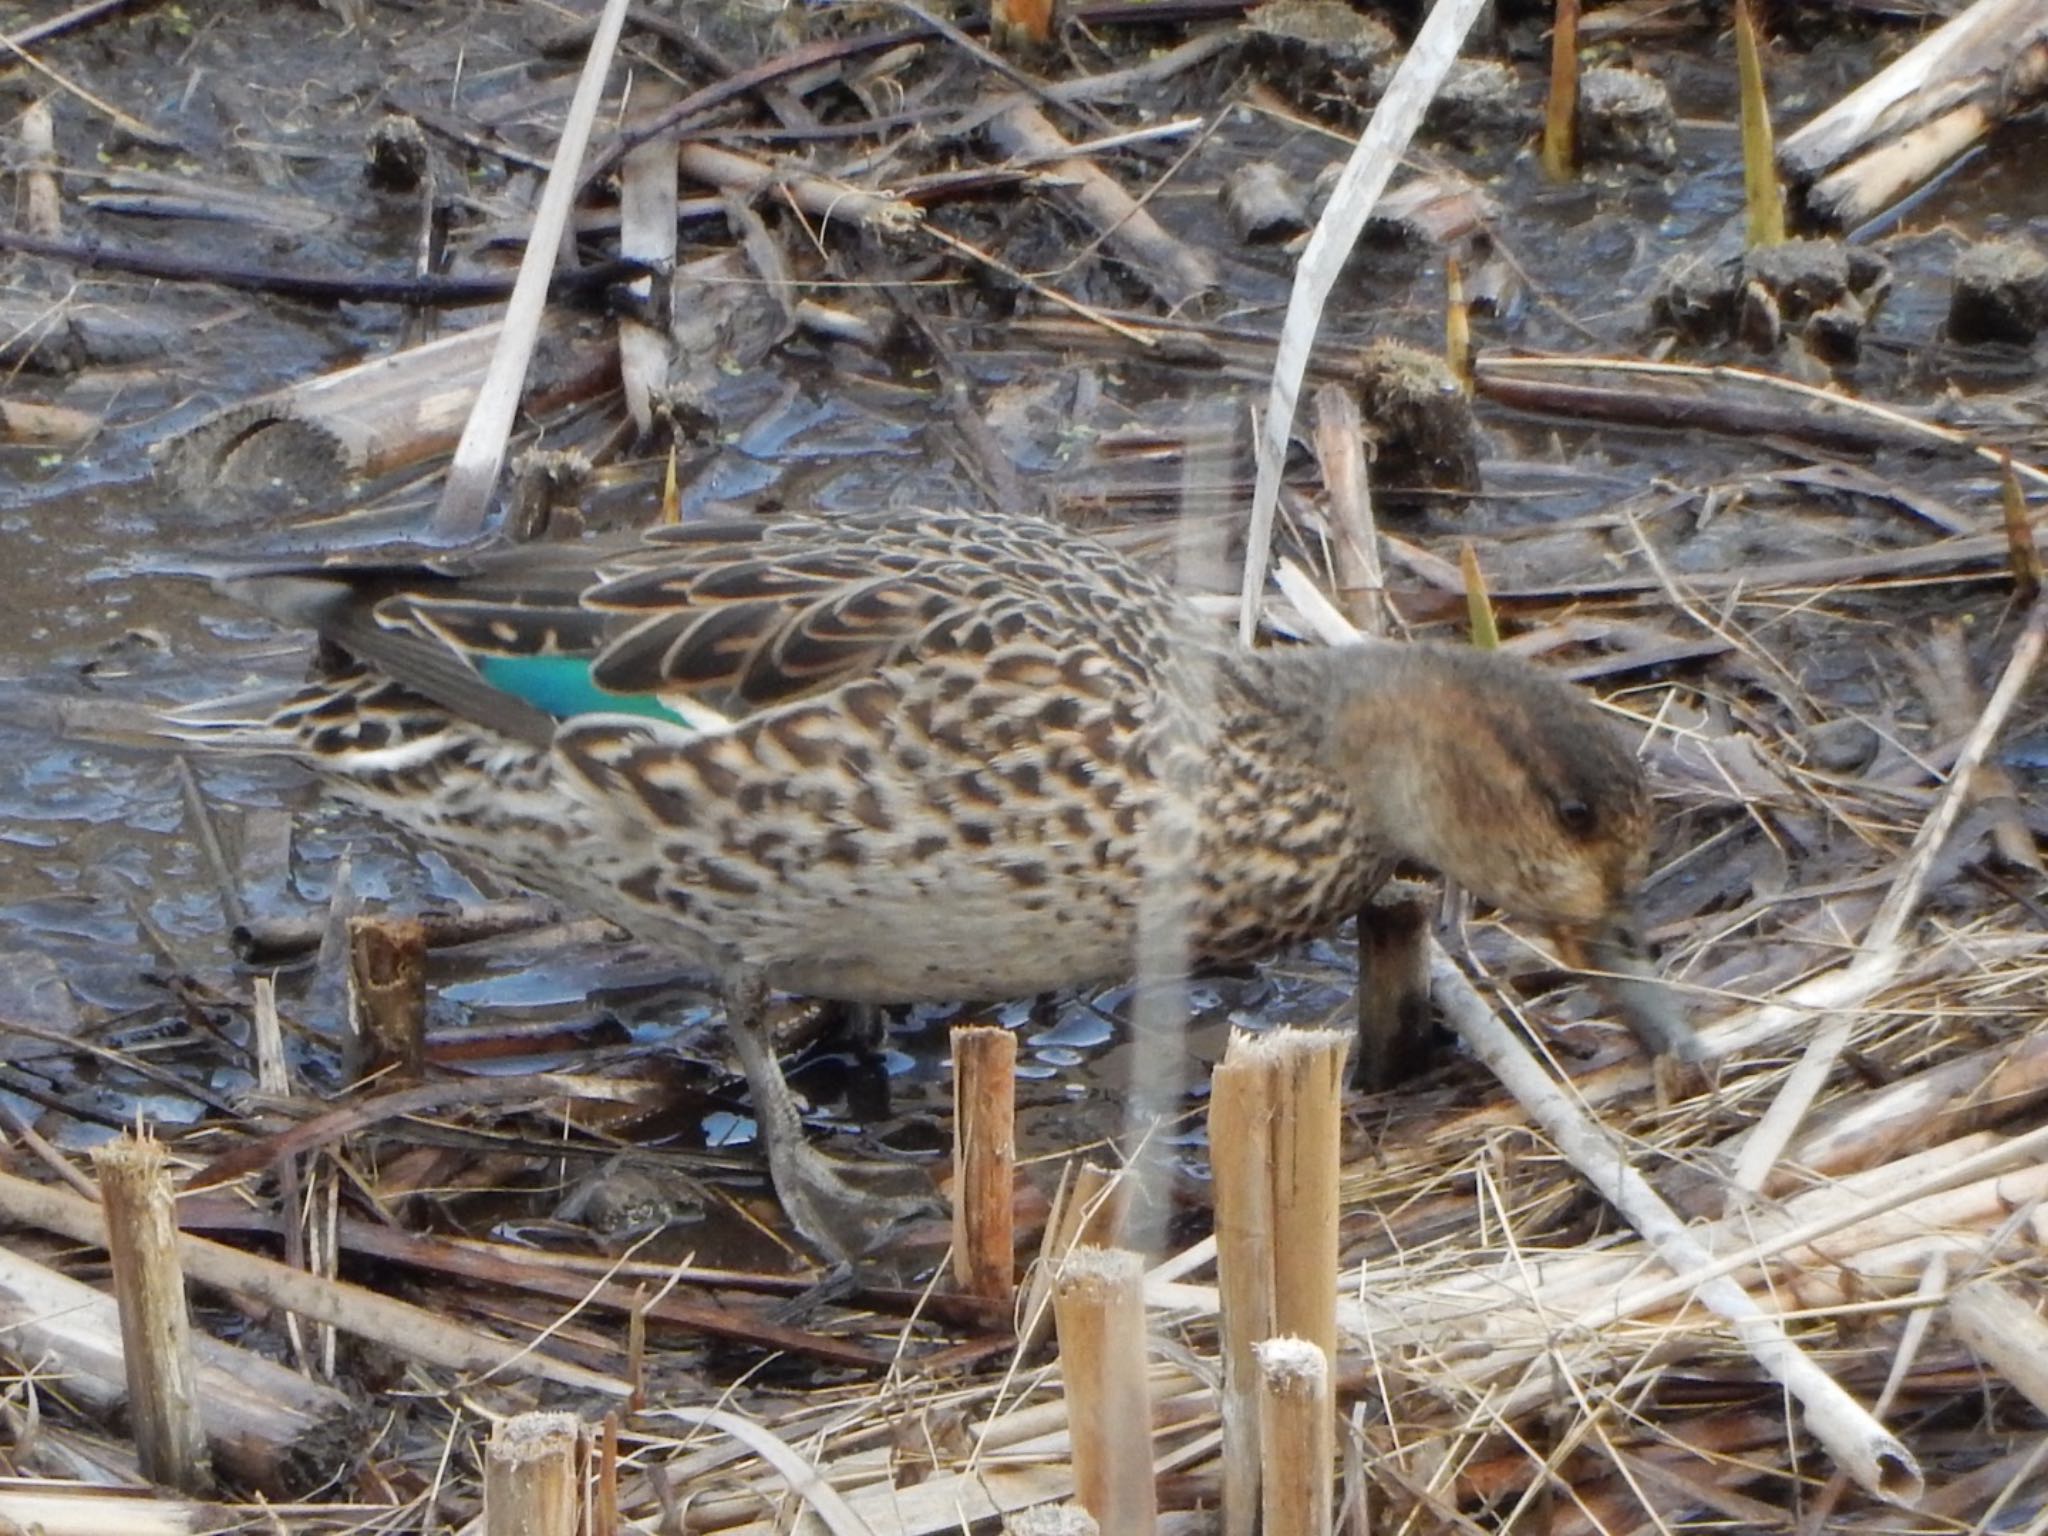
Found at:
(530, 1476)
(2004, 1332)
(266, 1041)
(156, 1324)
(1761, 192)
(600, 1447)
(1099, 1306)
(1297, 1438)
(42, 204)
(647, 232)
(1308, 1093)
(1340, 450)
(387, 999)
(1088, 1211)
(985, 1161)
(1240, 1117)
(1275, 1156)
(1561, 110)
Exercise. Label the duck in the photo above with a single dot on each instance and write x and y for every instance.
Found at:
(925, 756)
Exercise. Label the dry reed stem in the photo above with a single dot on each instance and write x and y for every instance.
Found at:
(2006, 1333)
(1088, 1210)
(985, 1161)
(1098, 1300)
(1297, 1437)
(1878, 1462)
(530, 1483)
(473, 472)
(387, 999)
(42, 205)
(1379, 149)
(1306, 1160)
(1340, 451)
(1560, 151)
(1240, 1141)
(647, 231)
(156, 1323)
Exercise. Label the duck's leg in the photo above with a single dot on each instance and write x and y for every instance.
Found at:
(841, 1218)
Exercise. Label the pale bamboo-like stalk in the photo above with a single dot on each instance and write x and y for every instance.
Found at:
(1307, 1164)
(2006, 1334)
(1099, 1306)
(530, 1476)
(1877, 1461)
(42, 206)
(1378, 151)
(266, 1041)
(156, 1323)
(1240, 1136)
(1297, 1438)
(1088, 1211)
(984, 1161)
(465, 496)
(1355, 543)
(647, 232)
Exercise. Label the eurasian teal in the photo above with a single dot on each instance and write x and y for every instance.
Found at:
(891, 758)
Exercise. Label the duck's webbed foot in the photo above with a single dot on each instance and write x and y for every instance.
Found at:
(843, 1209)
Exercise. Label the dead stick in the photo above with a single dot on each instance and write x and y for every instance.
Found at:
(985, 1161)
(1877, 1461)
(1176, 270)
(1099, 1305)
(1297, 1437)
(530, 1476)
(156, 1324)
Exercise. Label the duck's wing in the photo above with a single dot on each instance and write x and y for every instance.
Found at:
(720, 620)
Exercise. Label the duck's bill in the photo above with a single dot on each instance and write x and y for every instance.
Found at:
(1625, 977)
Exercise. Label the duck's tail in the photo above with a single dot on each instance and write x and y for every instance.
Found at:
(242, 723)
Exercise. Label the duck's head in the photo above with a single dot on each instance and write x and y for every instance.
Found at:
(1514, 784)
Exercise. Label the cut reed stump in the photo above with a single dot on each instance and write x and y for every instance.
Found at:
(1275, 1155)
(1297, 1438)
(985, 1161)
(530, 1476)
(387, 999)
(156, 1323)
(1099, 1307)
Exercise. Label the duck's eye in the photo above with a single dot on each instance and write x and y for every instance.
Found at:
(1576, 817)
